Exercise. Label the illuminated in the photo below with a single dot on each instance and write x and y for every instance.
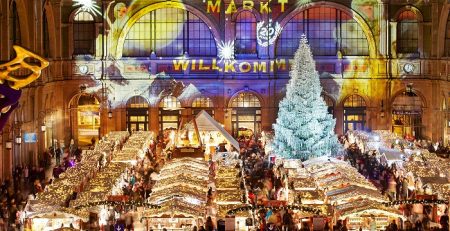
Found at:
(267, 32)
(213, 6)
(88, 6)
(226, 50)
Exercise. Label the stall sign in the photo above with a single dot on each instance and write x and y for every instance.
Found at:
(318, 223)
(119, 227)
(249, 222)
(30, 137)
(230, 223)
(275, 203)
(118, 198)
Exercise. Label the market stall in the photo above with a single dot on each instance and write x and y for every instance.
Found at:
(53, 205)
(213, 135)
(367, 214)
(181, 192)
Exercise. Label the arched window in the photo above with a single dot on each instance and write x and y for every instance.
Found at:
(169, 103)
(169, 32)
(137, 114)
(407, 115)
(203, 103)
(87, 117)
(328, 29)
(330, 103)
(245, 42)
(45, 35)
(169, 114)
(246, 115)
(407, 32)
(14, 27)
(447, 37)
(354, 113)
(83, 34)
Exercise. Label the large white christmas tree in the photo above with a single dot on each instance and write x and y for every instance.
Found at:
(304, 128)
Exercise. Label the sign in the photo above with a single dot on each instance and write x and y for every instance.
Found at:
(118, 198)
(214, 6)
(318, 223)
(249, 222)
(30, 138)
(119, 227)
(229, 224)
(231, 66)
(220, 225)
(87, 132)
(275, 203)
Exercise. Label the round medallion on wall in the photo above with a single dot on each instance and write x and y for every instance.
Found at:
(84, 69)
(408, 68)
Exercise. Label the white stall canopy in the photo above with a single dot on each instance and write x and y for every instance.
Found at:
(206, 123)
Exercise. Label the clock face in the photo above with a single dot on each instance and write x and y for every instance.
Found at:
(83, 69)
(408, 68)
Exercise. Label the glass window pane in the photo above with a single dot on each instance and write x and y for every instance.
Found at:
(329, 30)
(164, 30)
(245, 26)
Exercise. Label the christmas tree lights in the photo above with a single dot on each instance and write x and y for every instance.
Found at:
(304, 128)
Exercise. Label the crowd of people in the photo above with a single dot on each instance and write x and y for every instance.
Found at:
(393, 182)
(264, 182)
(26, 181)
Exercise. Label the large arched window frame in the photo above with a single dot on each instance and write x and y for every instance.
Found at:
(245, 27)
(329, 31)
(354, 113)
(169, 32)
(137, 114)
(84, 34)
(14, 26)
(407, 33)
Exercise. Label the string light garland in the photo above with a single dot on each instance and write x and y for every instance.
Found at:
(291, 207)
(118, 203)
(415, 201)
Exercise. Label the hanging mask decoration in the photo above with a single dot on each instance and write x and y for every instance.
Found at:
(10, 84)
(267, 32)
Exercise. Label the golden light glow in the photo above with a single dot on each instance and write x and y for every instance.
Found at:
(19, 63)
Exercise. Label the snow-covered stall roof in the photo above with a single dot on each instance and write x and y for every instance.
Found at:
(392, 155)
(206, 123)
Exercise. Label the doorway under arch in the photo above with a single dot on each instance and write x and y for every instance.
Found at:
(354, 113)
(137, 114)
(407, 115)
(86, 119)
(169, 113)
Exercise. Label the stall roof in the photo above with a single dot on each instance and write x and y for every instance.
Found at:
(364, 207)
(206, 123)
(392, 154)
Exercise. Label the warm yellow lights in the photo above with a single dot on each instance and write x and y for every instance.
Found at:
(19, 62)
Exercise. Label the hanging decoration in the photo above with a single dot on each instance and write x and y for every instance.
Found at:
(87, 6)
(267, 32)
(10, 85)
(118, 203)
(226, 50)
(415, 201)
(290, 207)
